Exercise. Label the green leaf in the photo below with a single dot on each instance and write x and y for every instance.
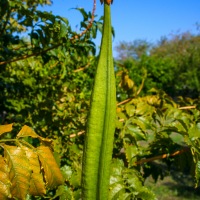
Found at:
(146, 194)
(197, 173)
(84, 14)
(135, 131)
(131, 151)
(194, 131)
(177, 138)
(63, 193)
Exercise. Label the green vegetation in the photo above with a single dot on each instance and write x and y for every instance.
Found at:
(100, 133)
(47, 73)
(172, 65)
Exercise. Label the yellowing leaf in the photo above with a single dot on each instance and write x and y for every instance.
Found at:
(52, 172)
(4, 180)
(19, 173)
(27, 131)
(5, 128)
(37, 186)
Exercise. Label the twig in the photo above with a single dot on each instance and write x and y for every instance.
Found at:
(187, 107)
(90, 22)
(125, 101)
(76, 134)
(142, 161)
(82, 68)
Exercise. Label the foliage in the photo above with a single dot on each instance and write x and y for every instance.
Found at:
(46, 79)
(172, 65)
(26, 169)
(155, 127)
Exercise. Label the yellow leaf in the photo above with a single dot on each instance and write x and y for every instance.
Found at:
(27, 131)
(5, 128)
(52, 174)
(19, 171)
(4, 180)
(37, 185)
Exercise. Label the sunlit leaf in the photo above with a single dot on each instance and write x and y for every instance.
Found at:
(19, 170)
(131, 152)
(194, 131)
(146, 194)
(116, 190)
(5, 128)
(4, 180)
(63, 193)
(27, 131)
(135, 131)
(52, 173)
(37, 185)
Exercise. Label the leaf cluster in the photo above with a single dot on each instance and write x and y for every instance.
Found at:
(153, 131)
(172, 65)
(26, 169)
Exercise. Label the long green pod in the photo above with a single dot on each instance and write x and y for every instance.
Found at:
(101, 122)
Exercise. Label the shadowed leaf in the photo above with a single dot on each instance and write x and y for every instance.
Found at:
(37, 186)
(5, 128)
(19, 170)
(52, 174)
(4, 180)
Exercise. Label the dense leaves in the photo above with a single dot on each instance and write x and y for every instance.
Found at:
(26, 169)
(46, 78)
(172, 65)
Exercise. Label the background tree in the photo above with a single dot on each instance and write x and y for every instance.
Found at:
(172, 65)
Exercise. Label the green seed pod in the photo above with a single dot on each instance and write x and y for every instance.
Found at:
(101, 122)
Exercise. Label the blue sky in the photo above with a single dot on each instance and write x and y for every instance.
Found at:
(137, 19)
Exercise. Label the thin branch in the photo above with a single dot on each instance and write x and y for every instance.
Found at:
(125, 101)
(142, 161)
(90, 23)
(76, 134)
(57, 45)
(31, 55)
(187, 107)
(82, 68)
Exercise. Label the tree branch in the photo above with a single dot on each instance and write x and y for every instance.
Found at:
(57, 45)
(142, 161)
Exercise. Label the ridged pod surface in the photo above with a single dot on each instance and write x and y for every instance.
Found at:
(101, 122)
